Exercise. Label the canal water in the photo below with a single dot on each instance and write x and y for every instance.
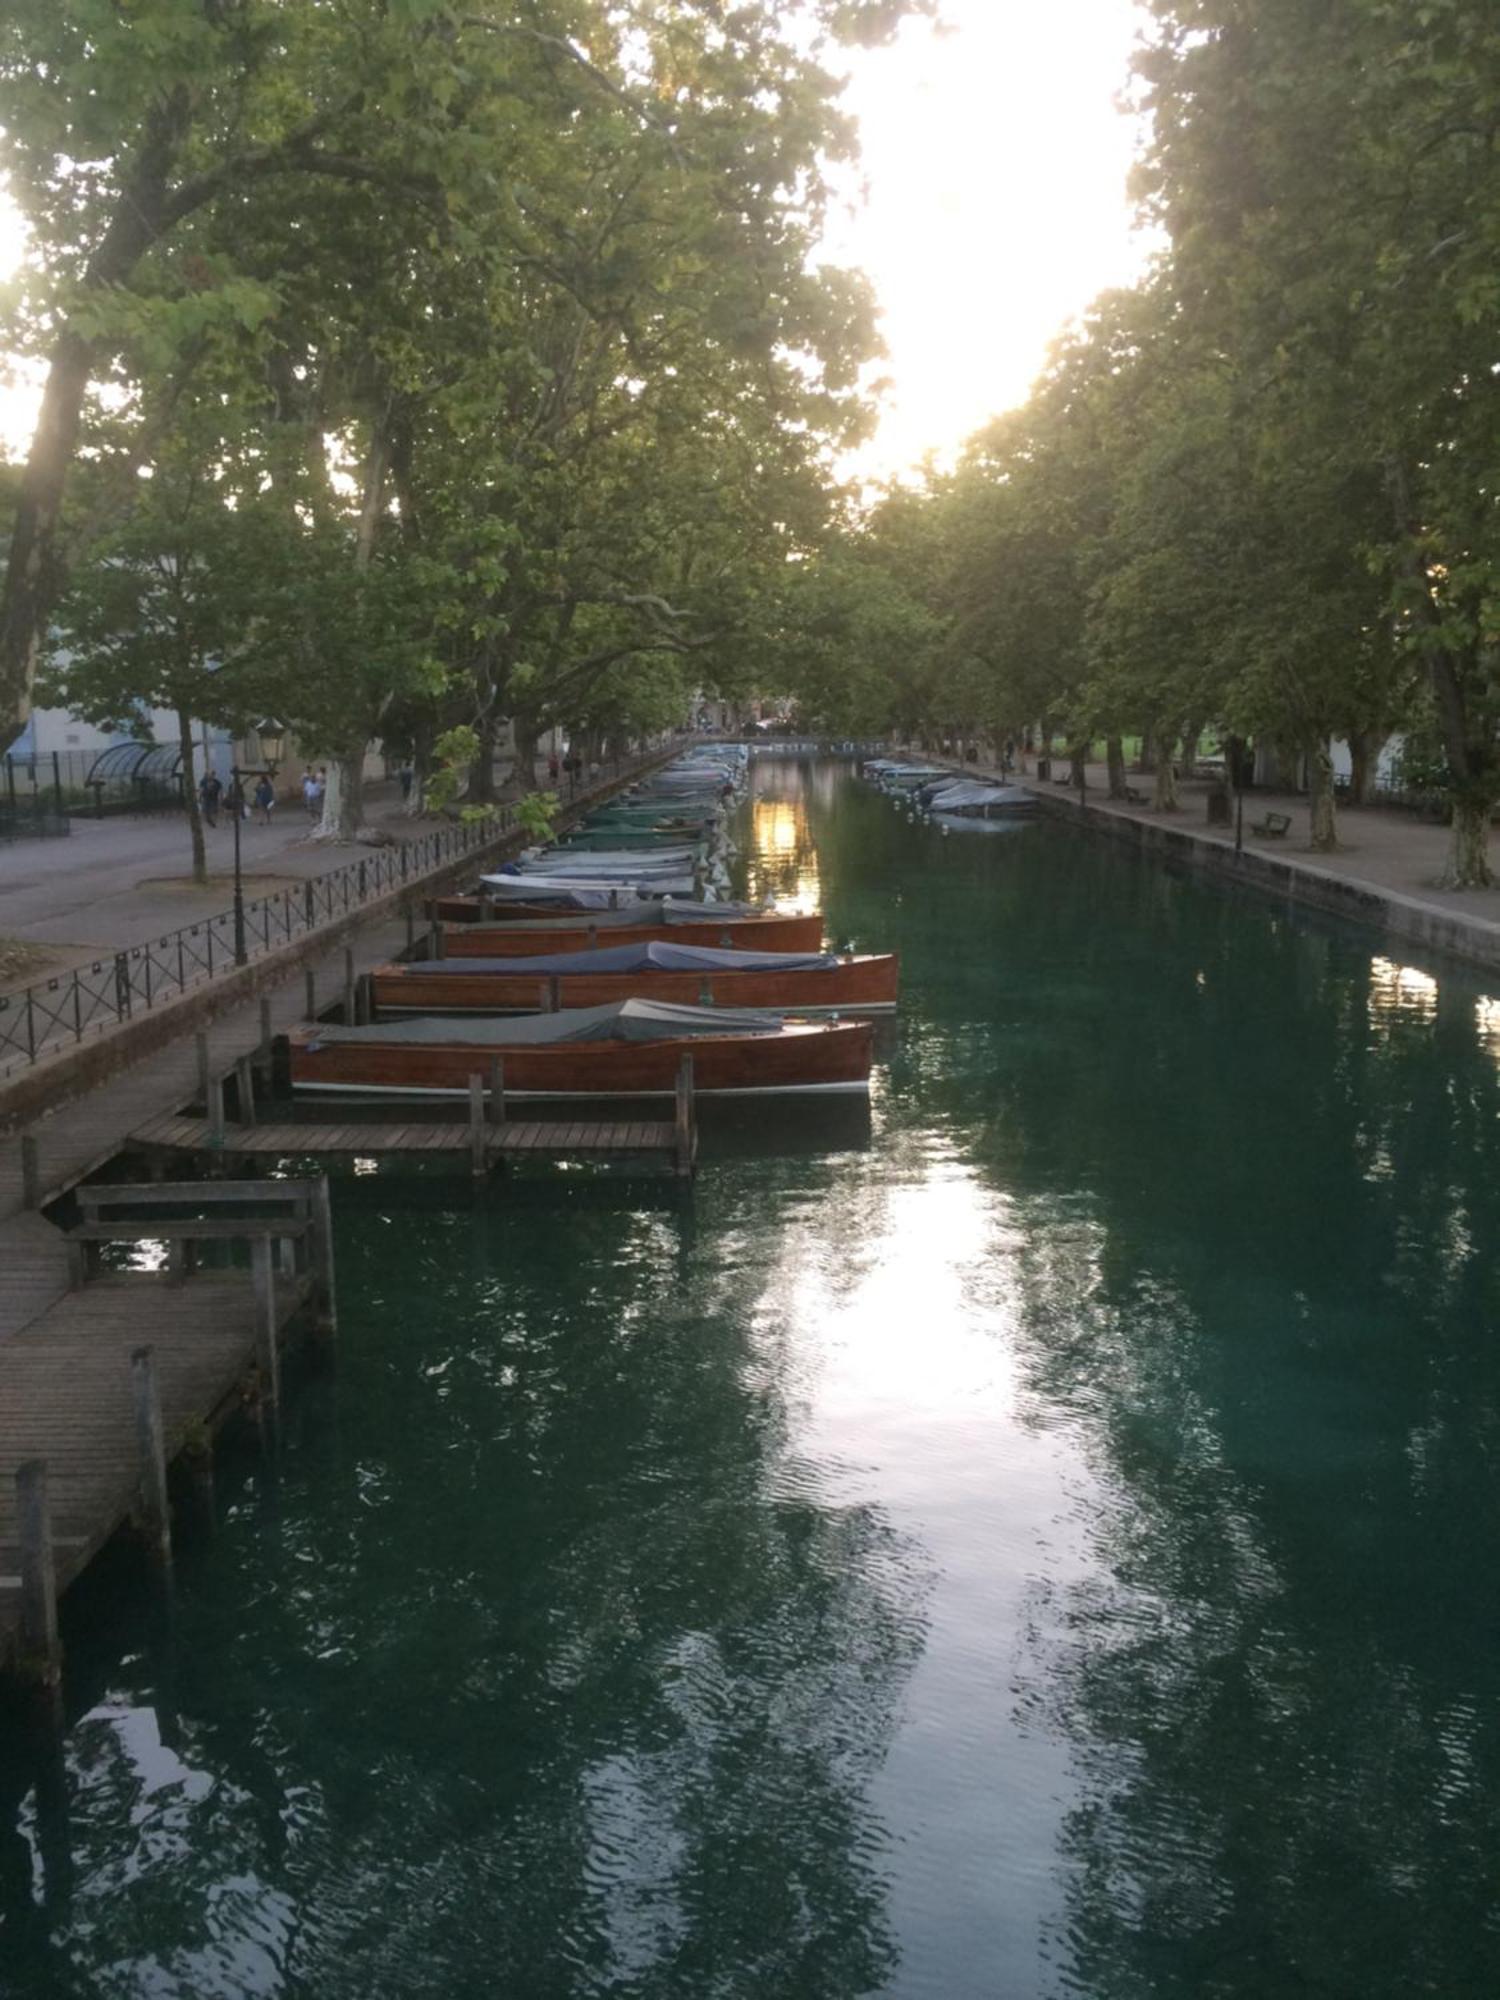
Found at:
(1036, 1540)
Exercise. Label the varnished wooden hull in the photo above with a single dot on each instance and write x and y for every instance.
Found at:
(858, 985)
(508, 939)
(811, 1056)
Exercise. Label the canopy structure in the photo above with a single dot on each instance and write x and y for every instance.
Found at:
(620, 1021)
(658, 957)
(124, 761)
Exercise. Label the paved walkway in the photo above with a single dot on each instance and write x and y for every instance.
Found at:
(113, 881)
(1387, 849)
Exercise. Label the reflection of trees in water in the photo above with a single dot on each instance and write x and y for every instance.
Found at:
(559, 1674)
(1268, 1317)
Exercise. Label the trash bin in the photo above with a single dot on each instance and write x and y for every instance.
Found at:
(1219, 806)
(1044, 768)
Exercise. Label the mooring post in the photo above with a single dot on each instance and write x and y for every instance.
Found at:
(244, 1084)
(156, 1513)
(364, 999)
(439, 941)
(486, 907)
(40, 1643)
(321, 1207)
(265, 1027)
(497, 1092)
(349, 1015)
(686, 1129)
(215, 1109)
(593, 935)
(31, 1172)
(411, 927)
(268, 1353)
(309, 994)
(553, 1000)
(198, 1457)
(200, 1043)
(478, 1137)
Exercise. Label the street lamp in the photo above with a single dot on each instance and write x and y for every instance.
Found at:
(271, 735)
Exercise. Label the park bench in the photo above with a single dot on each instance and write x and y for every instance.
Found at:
(1274, 826)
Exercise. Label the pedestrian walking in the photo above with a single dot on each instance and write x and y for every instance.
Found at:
(404, 778)
(265, 798)
(309, 791)
(210, 791)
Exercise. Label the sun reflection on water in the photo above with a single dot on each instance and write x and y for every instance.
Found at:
(1400, 992)
(781, 862)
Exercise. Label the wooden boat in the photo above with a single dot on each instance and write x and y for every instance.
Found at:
(791, 982)
(579, 930)
(631, 1049)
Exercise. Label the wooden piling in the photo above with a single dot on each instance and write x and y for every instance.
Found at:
(40, 1641)
(268, 1354)
(264, 1051)
(439, 942)
(200, 1043)
(31, 1172)
(244, 1084)
(198, 1458)
(479, 1149)
(309, 995)
(156, 1513)
(215, 1108)
(686, 1126)
(349, 1014)
(321, 1208)
(497, 1092)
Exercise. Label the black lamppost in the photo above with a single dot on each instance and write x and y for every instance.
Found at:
(271, 735)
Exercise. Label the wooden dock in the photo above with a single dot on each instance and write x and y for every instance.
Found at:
(559, 1139)
(92, 1414)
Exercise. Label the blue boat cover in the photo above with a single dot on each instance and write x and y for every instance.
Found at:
(639, 958)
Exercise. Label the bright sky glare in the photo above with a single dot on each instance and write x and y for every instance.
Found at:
(995, 161)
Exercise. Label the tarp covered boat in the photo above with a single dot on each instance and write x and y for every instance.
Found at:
(727, 925)
(629, 1049)
(797, 982)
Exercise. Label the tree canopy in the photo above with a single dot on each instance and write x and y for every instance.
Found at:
(497, 330)
(1257, 491)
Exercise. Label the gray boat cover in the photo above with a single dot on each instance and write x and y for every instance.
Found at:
(639, 958)
(620, 1021)
(653, 911)
(577, 894)
(968, 794)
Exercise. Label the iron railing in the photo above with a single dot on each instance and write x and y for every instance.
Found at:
(66, 1009)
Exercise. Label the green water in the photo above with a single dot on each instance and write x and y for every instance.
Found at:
(1047, 1547)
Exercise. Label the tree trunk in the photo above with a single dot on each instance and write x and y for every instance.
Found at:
(1114, 753)
(523, 731)
(1325, 833)
(1146, 762)
(1078, 757)
(482, 770)
(1365, 746)
(190, 796)
(1165, 797)
(343, 801)
(1469, 849)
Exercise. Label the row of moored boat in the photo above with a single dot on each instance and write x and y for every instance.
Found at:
(590, 968)
(951, 799)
